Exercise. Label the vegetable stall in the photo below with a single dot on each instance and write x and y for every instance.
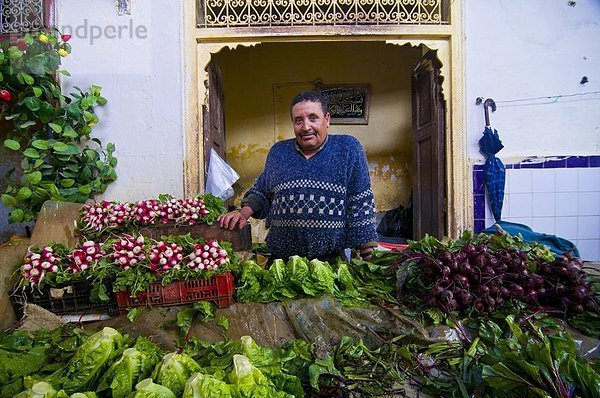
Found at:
(480, 316)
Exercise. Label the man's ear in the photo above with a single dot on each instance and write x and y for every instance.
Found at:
(328, 118)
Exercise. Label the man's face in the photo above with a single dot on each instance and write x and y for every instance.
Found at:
(310, 125)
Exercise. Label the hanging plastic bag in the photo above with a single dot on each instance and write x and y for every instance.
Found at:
(220, 177)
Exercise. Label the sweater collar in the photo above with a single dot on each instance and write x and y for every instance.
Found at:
(318, 149)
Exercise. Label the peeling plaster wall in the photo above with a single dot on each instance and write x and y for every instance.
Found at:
(137, 61)
(538, 48)
(261, 81)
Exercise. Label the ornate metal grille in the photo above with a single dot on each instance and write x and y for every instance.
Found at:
(261, 13)
(18, 16)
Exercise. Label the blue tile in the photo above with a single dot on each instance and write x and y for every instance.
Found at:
(538, 165)
(479, 225)
(516, 166)
(594, 161)
(508, 166)
(578, 161)
(479, 206)
(478, 167)
(478, 187)
(555, 164)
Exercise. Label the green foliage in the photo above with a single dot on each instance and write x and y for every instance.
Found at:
(185, 316)
(174, 370)
(90, 361)
(353, 284)
(52, 131)
(541, 365)
(284, 367)
(136, 363)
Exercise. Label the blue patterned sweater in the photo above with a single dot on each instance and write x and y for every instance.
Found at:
(317, 206)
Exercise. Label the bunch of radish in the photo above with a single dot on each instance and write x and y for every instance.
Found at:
(128, 251)
(146, 211)
(165, 256)
(208, 256)
(120, 214)
(100, 215)
(85, 257)
(95, 216)
(37, 265)
(191, 210)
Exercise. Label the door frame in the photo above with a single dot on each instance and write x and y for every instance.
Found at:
(448, 40)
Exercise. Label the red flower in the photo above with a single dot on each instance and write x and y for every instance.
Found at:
(21, 45)
(5, 95)
(65, 38)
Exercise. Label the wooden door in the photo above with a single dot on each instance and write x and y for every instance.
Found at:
(214, 115)
(428, 112)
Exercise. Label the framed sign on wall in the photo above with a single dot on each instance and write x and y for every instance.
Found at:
(348, 103)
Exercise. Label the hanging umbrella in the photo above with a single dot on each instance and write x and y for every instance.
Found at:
(494, 173)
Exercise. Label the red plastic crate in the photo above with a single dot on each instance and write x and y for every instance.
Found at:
(218, 289)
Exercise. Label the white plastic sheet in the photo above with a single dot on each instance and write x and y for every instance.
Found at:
(220, 177)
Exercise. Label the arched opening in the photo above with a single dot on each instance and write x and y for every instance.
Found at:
(258, 83)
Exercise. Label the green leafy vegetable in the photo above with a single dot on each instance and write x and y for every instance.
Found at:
(174, 370)
(41, 389)
(206, 386)
(148, 389)
(186, 315)
(136, 363)
(89, 362)
(251, 382)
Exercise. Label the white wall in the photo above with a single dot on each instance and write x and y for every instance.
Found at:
(517, 51)
(137, 61)
(535, 48)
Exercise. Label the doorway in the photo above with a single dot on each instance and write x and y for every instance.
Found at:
(260, 81)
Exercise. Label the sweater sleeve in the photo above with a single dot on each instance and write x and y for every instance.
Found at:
(258, 197)
(360, 221)
(258, 200)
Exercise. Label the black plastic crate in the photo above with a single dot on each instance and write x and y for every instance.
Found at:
(71, 298)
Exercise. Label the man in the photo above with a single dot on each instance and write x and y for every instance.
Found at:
(314, 191)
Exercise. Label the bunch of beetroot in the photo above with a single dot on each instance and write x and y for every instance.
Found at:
(128, 251)
(165, 256)
(566, 285)
(85, 257)
(37, 264)
(208, 256)
(476, 276)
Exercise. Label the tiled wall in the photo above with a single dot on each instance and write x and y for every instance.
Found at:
(558, 196)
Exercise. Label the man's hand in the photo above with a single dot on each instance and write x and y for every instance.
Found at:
(365, 254)
(233, 218)
(366, 250)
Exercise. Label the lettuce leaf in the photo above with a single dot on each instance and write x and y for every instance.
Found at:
(174, 371)
(40, 389)
(298, 274)
(135, 364)
(251, 382)
(206, 386)
(322, 276)
(90, 361)
(148, 389)
(250, 286)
